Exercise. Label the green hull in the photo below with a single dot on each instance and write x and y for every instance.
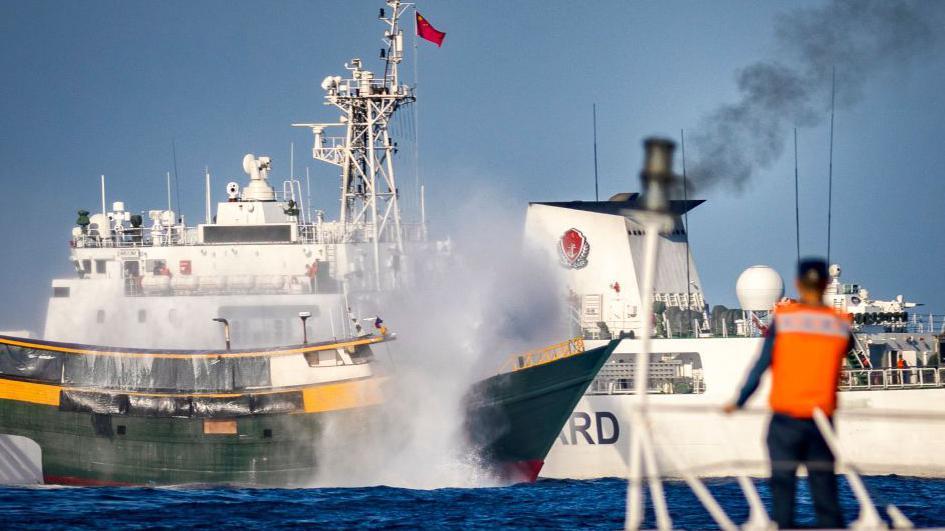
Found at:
(95, 449)
(513, 419)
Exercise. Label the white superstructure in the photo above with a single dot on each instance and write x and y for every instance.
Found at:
(700, 355)
(149, 279)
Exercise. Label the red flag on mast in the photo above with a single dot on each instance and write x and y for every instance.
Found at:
(425, 30)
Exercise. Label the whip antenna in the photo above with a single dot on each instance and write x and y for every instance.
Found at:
(176, 182)
(833, 95)
(596, 192)
(685, 187)
(797, 211)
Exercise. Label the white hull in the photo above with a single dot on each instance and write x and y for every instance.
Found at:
(712, 444)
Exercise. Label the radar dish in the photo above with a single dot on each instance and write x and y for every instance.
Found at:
(249, 163)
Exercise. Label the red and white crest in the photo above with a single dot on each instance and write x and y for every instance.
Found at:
(573, 249)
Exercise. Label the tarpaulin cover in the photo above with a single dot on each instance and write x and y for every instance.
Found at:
(30, 364)
(222, 407)
(277, 403)
(183, 406)
(159, 406)
(145, 373)
(86, 402)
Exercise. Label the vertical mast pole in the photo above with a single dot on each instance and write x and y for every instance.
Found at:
(103, 195)
(176, 181)
(206, 172)
(596, 190)
(372, 183)
(833, 95)
(301, 204)
(168, 174)
(416, 122)
(308, 193)
(423, 212)
(797, 208)
(685, 181)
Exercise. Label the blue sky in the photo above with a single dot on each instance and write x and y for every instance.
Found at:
(106, 86)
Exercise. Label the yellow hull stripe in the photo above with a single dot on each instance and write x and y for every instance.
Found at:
(344, 395)
(47, 395)
(325, 397)
(215, 355)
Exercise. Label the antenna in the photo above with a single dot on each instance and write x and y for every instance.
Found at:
(206, 173)
(308, 193)
(685, 187)
(103, 194)
(797, 208)
(596, 190)
(833, 94)
(176, 182)
(168, 190)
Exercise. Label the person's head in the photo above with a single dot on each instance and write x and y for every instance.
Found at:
(811, 280)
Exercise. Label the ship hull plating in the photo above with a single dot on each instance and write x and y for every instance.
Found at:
(97, 449)
(595, 441)
(514, 418)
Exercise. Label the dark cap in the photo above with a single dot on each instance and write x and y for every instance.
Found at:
(812, 272)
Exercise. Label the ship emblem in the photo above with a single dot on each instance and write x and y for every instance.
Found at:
(573, 249)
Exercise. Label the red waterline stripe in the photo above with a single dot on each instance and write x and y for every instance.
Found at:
(523, 470)
(81, 482)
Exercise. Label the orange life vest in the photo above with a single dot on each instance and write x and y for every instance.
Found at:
(809, 346)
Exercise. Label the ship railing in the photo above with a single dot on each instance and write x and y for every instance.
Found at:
(612, 329)
(334, 232)
(658, 386)
(882, 379)
(849, 464)
(379, 86)
(544, 355)
(140, 237)
(308, 233)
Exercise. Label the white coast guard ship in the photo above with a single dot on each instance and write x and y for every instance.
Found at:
(148, 279)
(700, 356)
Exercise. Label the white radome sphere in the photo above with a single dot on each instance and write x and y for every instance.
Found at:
(758, 288)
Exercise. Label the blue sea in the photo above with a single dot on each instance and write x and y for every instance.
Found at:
(548, 504)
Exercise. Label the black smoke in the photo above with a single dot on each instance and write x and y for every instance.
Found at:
(858, 38)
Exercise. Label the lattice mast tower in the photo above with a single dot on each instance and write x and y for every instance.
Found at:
(369, 202)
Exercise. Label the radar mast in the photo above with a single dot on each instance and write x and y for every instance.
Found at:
(369, 202)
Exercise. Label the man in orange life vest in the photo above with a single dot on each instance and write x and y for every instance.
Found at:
(804, 348)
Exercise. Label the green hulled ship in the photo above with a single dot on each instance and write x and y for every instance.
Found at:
(514, 418)
(107, 416)
(110, 416)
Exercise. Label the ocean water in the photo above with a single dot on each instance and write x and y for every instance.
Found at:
(549, 504)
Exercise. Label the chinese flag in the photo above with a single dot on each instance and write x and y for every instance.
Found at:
(427, 31)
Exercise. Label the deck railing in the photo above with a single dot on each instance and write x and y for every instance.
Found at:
(544, 355)
(879, 379)
(308, 233)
